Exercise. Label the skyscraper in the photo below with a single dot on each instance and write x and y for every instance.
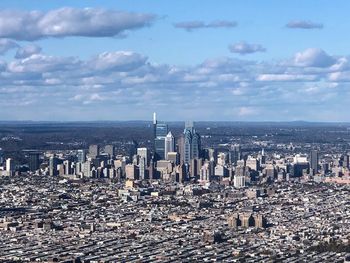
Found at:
(53, 165)
(109, 149)
(33, 161)
(159, 141)
(81, 155)
(10, 167)
(235, 154)
(314, 161)
(94, 151)
(169, 145)
(192, 143)
(1, 156)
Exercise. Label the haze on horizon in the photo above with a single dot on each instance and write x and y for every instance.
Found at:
(123, 60)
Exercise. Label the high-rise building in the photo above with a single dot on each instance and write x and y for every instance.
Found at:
(81, 155)
(192, 143)
(169, 145)
(1, 156)
(53, 162)
(314, 160)
(110, 150)
(10, 166)
(235, 154)
(34, 161)
(159, 141)
(143, 153)
(94, 151)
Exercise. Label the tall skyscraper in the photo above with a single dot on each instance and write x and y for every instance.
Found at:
(143, 153)
(159, 141)
(10, 166)
(94, 151)
(235, 154)
(192, 143)
(169, 145)
(53, 162)
(109, 149)
(314, 161)
(81, 155)
(1, 156)
(34, 161)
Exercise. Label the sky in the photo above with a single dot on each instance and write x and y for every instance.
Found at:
(224, 60)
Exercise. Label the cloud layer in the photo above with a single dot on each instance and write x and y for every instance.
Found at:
(304, 24)
(194, 25)
(111, 84)
(244, 48)
(63, 22)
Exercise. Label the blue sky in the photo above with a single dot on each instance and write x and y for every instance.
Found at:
(202, 60)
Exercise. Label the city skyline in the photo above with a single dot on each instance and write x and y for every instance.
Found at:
(237, 61)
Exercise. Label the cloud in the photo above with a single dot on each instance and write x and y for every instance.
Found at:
(27, 51)
(63, 22)
(6, 45)
(313, 57)
(193, 25)
(131, 84)
(244, 48)
(304, 24)
(119, 61)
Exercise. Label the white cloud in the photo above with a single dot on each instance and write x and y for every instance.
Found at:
(193, 25)
(63, 22)
(244, 48)
(304, 24)
(313, 57)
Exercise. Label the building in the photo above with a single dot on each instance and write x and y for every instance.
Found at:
(34, 161)
(192, 143)
(53, 162)
(94, 151)
(159, 141)
(169, 145)
(314, 161)
(110, 150)
(143, 153)
(81, 156)
(10, 166)
(1, 156)
(235, 154)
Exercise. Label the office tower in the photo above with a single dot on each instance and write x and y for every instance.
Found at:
(239, 181)
(94, 151)
(154, 131)
(180, 147)
(263, 157)
(86, 169)
(239, 178)
(159, 142)
(142, 168)
(205, 172)
(252, 163)
(235, 154)
(346, 161)
(110, 150)
(81, 155)
(1, 156)
(131, 171)
(53, 165)
(314, 161)
(10, 166)
(192, 144)
(169, 145)
(143, 153)
(68, 167)
(33, 161)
